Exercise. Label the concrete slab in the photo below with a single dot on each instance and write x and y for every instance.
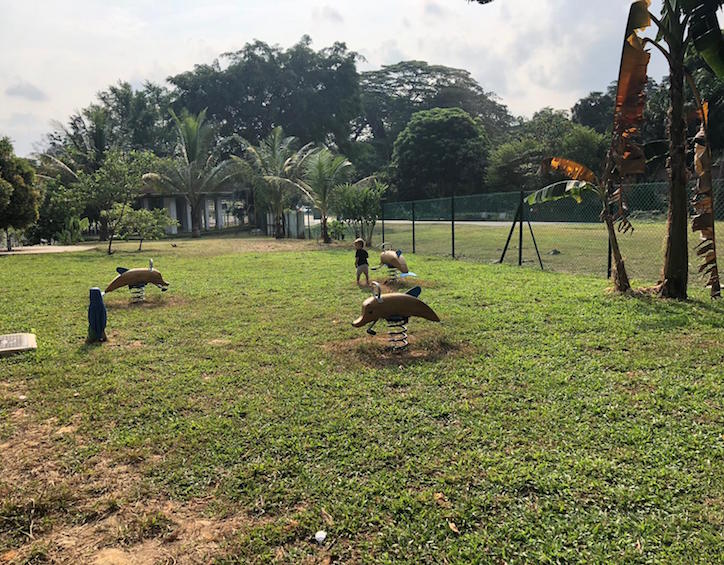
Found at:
(17, 343)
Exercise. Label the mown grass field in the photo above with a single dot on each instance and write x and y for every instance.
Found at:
(569, 248)
(231, 418)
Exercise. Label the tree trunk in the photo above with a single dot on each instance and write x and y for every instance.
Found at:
(110, 242)
(620, 278)
(195, 220)
(325, 233)
(140, 243)
(8, 241)
(279, 226)
(675, 274)
(103, 231)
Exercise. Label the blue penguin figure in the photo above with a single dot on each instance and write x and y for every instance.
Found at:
(97, 316)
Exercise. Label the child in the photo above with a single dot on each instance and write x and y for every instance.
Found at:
(360, 261)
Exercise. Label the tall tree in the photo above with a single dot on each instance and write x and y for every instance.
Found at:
(441, 152)
(594, 111)
(391, 95)
(19, 198)
(195, 170)
(314, 95)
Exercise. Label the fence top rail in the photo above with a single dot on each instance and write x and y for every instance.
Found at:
(663, 185)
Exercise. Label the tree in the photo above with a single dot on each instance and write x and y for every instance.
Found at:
(594, 111)
(195, 170)
(441, 152)
(391, 95)
(359, 206)
(323, 172)
(118, 181)
(60, 203)
(19, 198)
(144, 224)
(681, 23)
(313, 94)
(514, 165)
(278, 166)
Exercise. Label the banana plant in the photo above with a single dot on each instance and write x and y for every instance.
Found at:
(581, 180)
(681, 23)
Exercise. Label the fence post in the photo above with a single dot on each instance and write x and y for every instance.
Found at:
(383, 221)
(452, 220)
(413, 226)
(610, 257)
(520, 231)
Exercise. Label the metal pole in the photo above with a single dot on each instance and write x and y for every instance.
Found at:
(510, 235)
(535, 244)
(520, 232)
(610, 258)
(383, 221)
(452, 219)
(413, 226)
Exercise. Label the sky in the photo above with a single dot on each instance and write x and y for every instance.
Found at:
(55, 56)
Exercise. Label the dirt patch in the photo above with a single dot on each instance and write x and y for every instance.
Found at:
(153, 300)
(219, 342)
(103, 512)
(43, 249)
(426, 345)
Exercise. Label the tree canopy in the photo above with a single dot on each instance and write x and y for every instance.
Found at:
(441, 151)
(19, 197)
(313, 94)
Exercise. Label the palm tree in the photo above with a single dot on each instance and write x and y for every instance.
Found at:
(278, 167)
(195, 171)
(323, 172)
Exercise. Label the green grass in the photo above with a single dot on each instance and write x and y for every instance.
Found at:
(582, 248)
(547, 419)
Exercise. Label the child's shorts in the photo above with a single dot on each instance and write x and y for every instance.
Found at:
(363, 269)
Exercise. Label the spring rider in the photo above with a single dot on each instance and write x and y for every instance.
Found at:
(136, 280)
(396, 309)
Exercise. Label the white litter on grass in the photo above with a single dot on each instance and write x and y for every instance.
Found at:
(320, 536)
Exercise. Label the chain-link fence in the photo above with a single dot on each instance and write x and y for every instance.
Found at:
(569, 236)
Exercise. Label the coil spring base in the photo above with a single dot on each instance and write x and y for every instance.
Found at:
(138, 294)
(397, 336)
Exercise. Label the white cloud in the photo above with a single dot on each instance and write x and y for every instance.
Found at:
(27, 91)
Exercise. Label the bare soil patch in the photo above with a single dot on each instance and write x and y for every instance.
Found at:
(425, 345)
(105, 513)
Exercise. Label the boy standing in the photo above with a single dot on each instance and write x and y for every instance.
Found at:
(360, 261)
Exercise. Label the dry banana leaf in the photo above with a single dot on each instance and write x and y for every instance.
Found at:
(571, 169)
(703, 203)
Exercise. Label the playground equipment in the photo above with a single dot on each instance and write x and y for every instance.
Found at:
(136, 280)
(396, 309)
(97, 316)
(395, 263)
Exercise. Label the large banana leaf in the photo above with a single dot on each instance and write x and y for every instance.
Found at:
(704, 29)
(559, 190)
(626, 151)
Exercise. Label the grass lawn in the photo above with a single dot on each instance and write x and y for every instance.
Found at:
(237, 414)
(579, 248)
